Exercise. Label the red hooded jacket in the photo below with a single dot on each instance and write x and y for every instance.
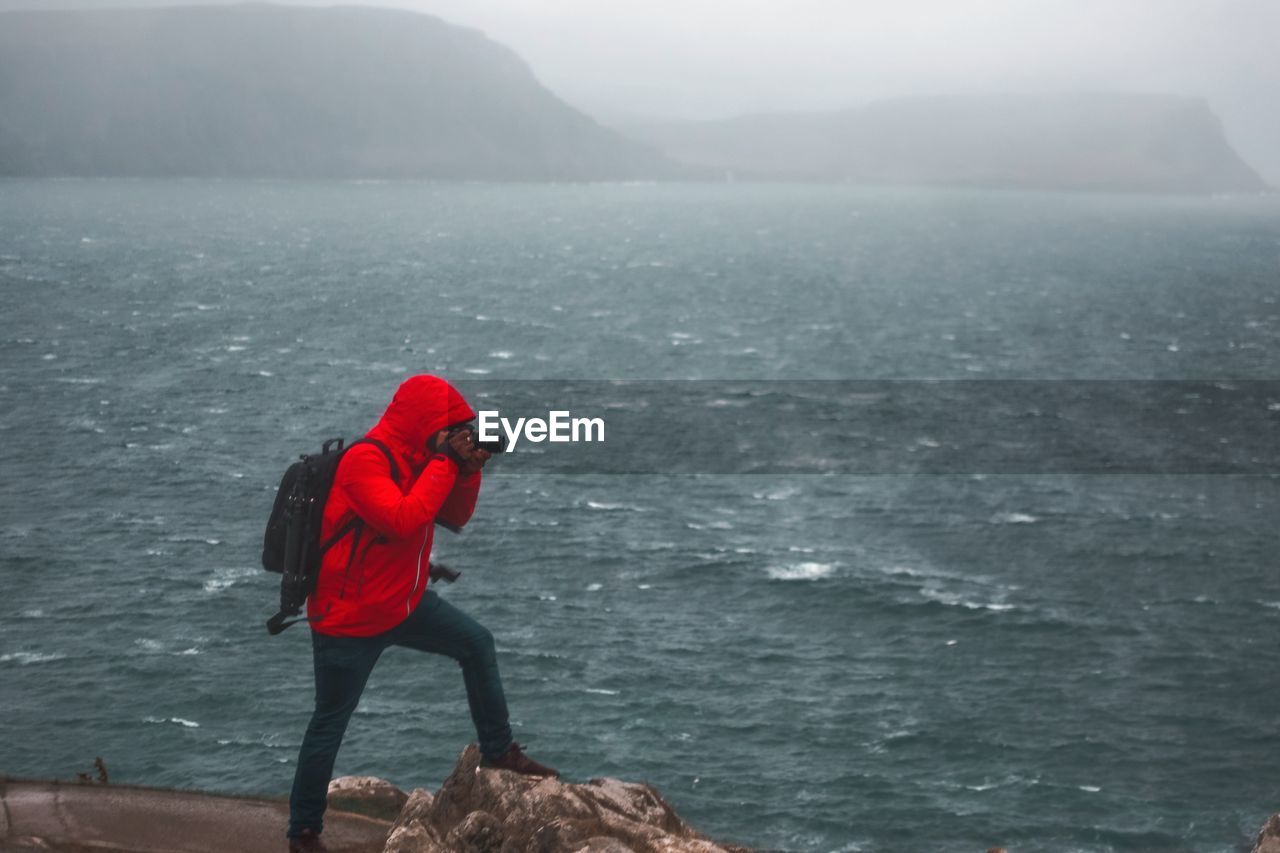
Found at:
(373, 577)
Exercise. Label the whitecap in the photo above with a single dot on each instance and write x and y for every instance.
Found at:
(776, 494)
(502, 354)
(1092, 789)
(34, 613)
(28, 658)
(952, 599)
(1274, 605)
(479, 371)
(190, 724)
(594, 587)
(801, 571)
(266, 373)
(601, 691)
(1013, 518)
(226, 577)
(612, 507)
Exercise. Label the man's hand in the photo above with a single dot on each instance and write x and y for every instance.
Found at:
(464, 449)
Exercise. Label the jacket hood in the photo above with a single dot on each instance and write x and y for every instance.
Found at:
(422, 406)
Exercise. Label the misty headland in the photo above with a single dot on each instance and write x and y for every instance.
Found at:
(272, 91)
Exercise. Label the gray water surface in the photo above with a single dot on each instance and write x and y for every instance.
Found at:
(1057, 662)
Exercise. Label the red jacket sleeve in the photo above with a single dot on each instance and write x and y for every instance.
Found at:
(365, 476)
(461, 502)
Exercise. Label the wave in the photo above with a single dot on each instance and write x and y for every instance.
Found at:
(1013, 518)
(188, 724)
(613, 507)
(29, 658)
(951, 599)
(801, 571)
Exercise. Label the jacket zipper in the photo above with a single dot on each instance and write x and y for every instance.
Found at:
(418, 576)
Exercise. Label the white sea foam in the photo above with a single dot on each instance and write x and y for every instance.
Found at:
(594, 587)
(1013, 518)
(34, 613)
(952, 599)
(612, 507)
(503, 354)
(776, 494)
(28, 658)
(801, 571)
(190, 724)
(227, 577)
(601, 691)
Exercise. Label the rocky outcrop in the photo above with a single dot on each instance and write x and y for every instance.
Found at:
(496, 811)
(1269, 838)
(367, 795)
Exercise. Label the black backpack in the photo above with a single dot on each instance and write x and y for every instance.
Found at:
(292, 546)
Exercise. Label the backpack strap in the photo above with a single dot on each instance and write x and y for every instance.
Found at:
(386, 451)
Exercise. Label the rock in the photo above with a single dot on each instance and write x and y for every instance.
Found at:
(600, 844)
(479, 810)
(367, 795)
(479, 832)
(418, 808)
(1269, 838)
(412, 837)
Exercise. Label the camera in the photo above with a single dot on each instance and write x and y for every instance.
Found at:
(495, 445)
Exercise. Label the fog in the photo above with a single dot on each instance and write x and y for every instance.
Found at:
(620, 60)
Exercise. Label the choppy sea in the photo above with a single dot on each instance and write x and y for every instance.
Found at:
(802, 660)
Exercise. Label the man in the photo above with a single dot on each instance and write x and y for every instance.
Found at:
(372, 590)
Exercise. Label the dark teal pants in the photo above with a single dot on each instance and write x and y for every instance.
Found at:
(342, 666)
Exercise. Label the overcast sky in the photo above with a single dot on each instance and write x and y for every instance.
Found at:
(712, 58)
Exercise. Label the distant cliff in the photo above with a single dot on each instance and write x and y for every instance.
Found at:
(1146, 143)
(260, 90)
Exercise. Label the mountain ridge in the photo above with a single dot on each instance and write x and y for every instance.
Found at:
(1103, 141)
(266, 90)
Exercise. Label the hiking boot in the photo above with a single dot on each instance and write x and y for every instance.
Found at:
(308, 841)
(516, 761)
